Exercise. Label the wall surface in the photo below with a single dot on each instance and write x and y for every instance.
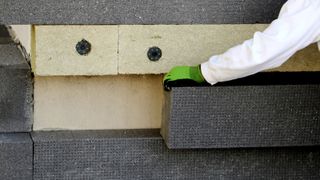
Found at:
(125, 101)
(104, 102)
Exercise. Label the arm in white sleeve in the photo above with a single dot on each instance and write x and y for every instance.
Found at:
(298, 26)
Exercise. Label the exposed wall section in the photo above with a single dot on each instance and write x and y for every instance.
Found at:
(104, 102)
(139, 11)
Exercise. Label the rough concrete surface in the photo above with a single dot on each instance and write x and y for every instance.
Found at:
(5, 36)
(15, 90)
(16, 156)
(139, 11)
(142, 155)
(4, 31)
(237, 116)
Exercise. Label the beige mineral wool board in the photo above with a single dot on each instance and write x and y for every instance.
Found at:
(23, 35)
(191, 45)
(180, 44)
(100, 102)
(55, 50)
(123, 49)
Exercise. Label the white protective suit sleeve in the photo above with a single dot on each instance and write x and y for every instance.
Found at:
(297, 27)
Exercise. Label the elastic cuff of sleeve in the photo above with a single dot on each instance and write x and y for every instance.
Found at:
(207, 75)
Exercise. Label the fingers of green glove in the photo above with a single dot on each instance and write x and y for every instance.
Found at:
(180, 72)
(166, 77)
(180, 83)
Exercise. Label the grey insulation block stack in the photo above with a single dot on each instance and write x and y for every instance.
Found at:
(16, 156)
(5, 36)
(4, 31)
(15, 90)
(234, 116)
(139, 11)
(142, 154)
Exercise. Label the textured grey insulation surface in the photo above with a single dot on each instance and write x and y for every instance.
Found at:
(242, 116)
(15, 90)
(142, 154)
(139, 11)
(3, 31)
(16, 156)
(4, 35)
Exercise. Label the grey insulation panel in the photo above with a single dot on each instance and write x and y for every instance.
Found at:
(142, 154)
(242, 116)
(4, 31)
(5, 36)
(16, 156)
(139, 11)
(15, 90)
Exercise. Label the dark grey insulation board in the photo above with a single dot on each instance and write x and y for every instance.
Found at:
(16, 156)
(139, 11)
(142, 154)
(5, 36)
(4, 31)
(15, 90)
(252, 115)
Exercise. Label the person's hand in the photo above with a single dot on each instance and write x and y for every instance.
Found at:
(183, 76)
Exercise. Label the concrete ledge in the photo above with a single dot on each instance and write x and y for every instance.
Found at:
(15, 90)
(139, 12)
(16, 156)
(141, 154)
(265, 110)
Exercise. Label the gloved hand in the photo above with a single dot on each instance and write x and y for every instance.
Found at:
(183, 76)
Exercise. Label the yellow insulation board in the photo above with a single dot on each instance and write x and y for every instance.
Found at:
(55, 50)
(123, 49)
(101, 102)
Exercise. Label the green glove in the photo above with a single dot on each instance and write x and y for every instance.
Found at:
(183, 76)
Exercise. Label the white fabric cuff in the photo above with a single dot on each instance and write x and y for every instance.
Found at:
(208, 74)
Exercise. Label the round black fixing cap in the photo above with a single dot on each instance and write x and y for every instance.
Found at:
(154, 53)
(83, 47)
